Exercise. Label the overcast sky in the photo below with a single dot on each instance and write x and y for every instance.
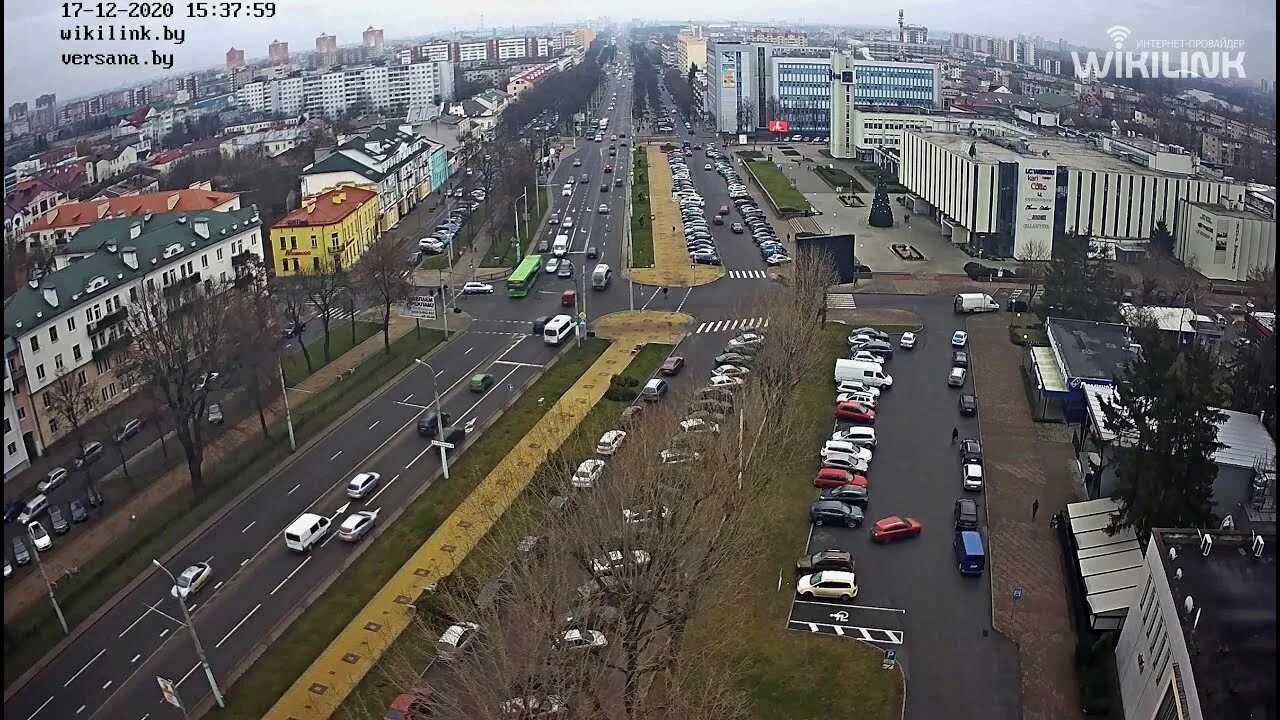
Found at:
(33, 49)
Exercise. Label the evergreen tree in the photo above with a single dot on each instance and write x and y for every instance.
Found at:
(1166, 433)
(881, 213)
(1079, 283)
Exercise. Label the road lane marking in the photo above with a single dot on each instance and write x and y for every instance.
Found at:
(295, 572)
(437, 375)
(80, 709)
(517, 364)
(164, 632)
(375, 424)
(193, 608)
(184, 677)
(237, 627)
(384, 487)
(295, 487)
(215, 587)
(244, 562)
(42, 706)
(468, 351)
(335, 456)
(408, 397)
(135, 622)
(135, 658)
(684, 300)
(246, 527)
(108, 684)
(86, 667)
(852, 607)
(425, 450)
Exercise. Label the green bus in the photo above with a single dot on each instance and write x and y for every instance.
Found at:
(526, 274)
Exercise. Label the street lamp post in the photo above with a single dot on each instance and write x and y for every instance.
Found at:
(288, 414)
(57, 609)
(444, 458)
(195, 638)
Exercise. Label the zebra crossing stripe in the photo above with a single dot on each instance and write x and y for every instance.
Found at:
(700, 327)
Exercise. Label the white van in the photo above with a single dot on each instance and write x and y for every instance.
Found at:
(557, 329)
(561, 245)
(601, 276)
(35, 507)
(305, 532)
(865, 372)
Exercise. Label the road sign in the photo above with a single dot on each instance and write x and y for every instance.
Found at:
(511, 387)
(582, 316)
(1017, 594)
(471, 425)
(890, 659)
(421, 305)
(443, 444)
(170, 692)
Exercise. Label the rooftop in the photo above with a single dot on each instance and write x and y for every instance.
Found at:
(1231, 631)
(1061, 151)
(327, 208)
(1242, 213)
(1089, 350)
(86, 213)
(1169, 319)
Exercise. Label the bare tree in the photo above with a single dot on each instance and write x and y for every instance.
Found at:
(1034, 265)
(773, 108)
(72, 399)
(324, 286)
(746, 115)
(381, 274)
(292, 296)
(256, 364)
(1262, 285)
(181, 341)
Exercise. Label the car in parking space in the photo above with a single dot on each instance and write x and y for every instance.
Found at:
(77, 511)
(52, 479)
(856, 386)
(845, 461)
(965, 514)
(834, 512)
(747, 339)
(866, 356)
(127, 430)
(552, 264)
(21, 555)
(777, 259)
(455, 639)
(844, 447)
(857, 495)
(705, 257)
(631, 414)
(864, 398)
(960, 359)
(829, 477)
(40, 538)
(476, 288)
(357, 525)
(855, 412)
(734, 358)
(672, 366)
(823, 560)
(870, 331)
(970, 451)
(959, 338)
(971, 476)
(698, 425)
(968, 405)
(291, 329)
(731, 370)
(676, 456)
(895, 527)
(90, 453)
(835, 584)
(588, 473)
(58, 521)
(619, 562)
(191, 580)
(642, 516)
(956, 377)
(610, 441)
(581, 640)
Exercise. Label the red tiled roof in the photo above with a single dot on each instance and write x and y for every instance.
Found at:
(26, 191)
(87, 213)
(66, 178)
(326, 211)
(164, 156)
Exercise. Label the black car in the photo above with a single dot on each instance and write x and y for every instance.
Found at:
(960, 359)
(604, 187)
(293, 329)
(77, 512)
(703, 258)
(733, 358)
(971, 451)
(429, 424)
(543, 247)
(848, 494)
(833, 512)
(539, 323)
(58, 520)
(966, 514)
(968, 405)
(593, 252)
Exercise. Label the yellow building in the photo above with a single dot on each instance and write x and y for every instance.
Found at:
(331, 230)
(690, 51)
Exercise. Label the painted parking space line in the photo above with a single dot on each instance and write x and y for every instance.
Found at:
(871, 635)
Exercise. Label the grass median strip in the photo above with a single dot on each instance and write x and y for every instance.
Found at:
(286, 659)
(641, 212)
(784, 197)
(340, 341)
(30, 636)
(378, 688)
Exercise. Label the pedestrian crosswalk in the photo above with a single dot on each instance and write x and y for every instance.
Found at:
(841, 301)
(748, 275)
(715, 326)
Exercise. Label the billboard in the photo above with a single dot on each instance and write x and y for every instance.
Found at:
(779, 126)
(728, 75)
(1037, 195)
(421, 304)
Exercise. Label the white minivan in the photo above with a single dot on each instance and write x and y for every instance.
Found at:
(34, 508)
(557, 329)
(561, 245)
(306, 532)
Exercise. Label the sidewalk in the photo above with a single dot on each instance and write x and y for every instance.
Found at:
(671, 265)
(1025, 463)
(322, 688)
(94, 537)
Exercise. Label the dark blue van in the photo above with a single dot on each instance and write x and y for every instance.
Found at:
(971, 557)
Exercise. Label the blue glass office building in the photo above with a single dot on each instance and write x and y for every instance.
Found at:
(804, 93)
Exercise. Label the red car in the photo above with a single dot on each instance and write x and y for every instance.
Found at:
(835, 477)
(672, 365)
(851, 411)
(895, 528)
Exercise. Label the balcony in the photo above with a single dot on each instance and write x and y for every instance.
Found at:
(182, 284)
(115, 343)
(243, 257)
(108, 320)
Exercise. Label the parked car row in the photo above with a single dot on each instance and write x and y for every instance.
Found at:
(698, 241)
(443, 235)
(771, 248)
(61, 519)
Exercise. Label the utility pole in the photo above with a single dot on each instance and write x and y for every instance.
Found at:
(204, 659)
(444, 458)
(288, 414)
(48, 584)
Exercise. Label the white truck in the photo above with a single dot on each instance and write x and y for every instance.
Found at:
(868, 373)
(975, 303)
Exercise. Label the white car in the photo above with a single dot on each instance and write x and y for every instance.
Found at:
(553, 264)
(838, 447)
(588, 473)
(829, 584)
(854, 386)
(567, 191)
(638, 516)
(455, 639)
(581, 640)
(39, 536)
(730, 370)
(553, 220)
(567, 222)
(747, 339)
(577, 162)
(859, 397)
(959, 338)
(845, 461)
(908, 341)
(706, 166)
(357, 525)
(675, 457)
(604, 209)
(477, 288)
(610, 442)
(777, 259)
(867, 356)
(956, 377)
(717, 381)
(615, 560)
(191, 580)
(971, 475)
(696, 425)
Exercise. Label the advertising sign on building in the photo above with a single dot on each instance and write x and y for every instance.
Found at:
(779, 126)
(728, 75)
(1037, 197)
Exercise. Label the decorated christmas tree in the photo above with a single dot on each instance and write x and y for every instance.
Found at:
(881, 213)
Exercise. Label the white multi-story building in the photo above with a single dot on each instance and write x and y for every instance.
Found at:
(862, 133)
(742, 79)
(72, 320)
(473, 51)
(1224, 242)
(17, 456)
(381, 88)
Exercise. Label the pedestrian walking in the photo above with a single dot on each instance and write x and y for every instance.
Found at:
(955, 435)
(1035, 508)
(664, 292)
(673, 228)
